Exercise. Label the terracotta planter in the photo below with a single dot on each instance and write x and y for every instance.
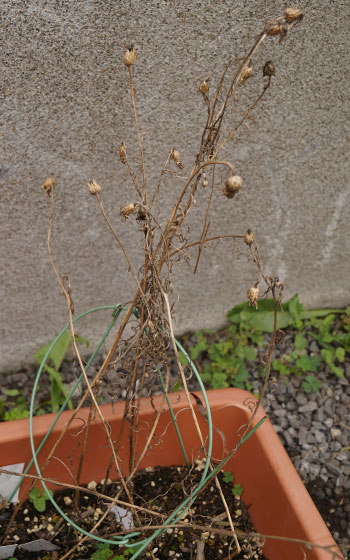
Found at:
(279, 502)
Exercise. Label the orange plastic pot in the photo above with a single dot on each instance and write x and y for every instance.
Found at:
(279, 504)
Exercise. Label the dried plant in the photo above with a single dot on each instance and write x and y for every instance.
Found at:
(139, 357)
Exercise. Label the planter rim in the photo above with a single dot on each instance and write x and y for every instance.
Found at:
(223, 403)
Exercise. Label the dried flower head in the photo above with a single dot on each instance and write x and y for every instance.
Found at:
(129, 57)
(205, 183)
(94, 187)
(128, 209)
(253, 296)
(49, 185)
(269, 68)
(175, 156)
(122, 152)
(247, 73)
(249, 237)
(232, 185)
(273, 27)
(204, 87)
(292, 14)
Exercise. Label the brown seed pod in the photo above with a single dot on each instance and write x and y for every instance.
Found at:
(232, 185)
(204, 87)
(249, 237)
(49, 185)
(269, 68)
(205, 183)
(129, 57)
(94, 187)
(122, 152)
(253, 296)
(175, 156)
(247, 73)
(292, 14)
(128, 209)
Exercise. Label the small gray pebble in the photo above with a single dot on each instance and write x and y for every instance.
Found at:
(328, 422)
(302, 435)
(310, 438)
(282, 389)
(342, 456)
(319, 415)
(280, 412)
(314, 470)
(288, 438)
(320, 436)
(308, 407)
(293, 431)
(318, 425)
(301, 398)
(334, 467)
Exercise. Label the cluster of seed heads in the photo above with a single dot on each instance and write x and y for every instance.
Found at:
(280, 26)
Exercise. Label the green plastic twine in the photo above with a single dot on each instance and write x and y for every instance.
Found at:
(184, 506)
(117, 310)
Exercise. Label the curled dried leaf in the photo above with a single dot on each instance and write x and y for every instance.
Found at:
(49, 185)
(122, 152)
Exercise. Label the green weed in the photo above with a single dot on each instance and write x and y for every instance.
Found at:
(227, 354)
(228, 478)
(58, 392)
(104, 552)
(39, 499)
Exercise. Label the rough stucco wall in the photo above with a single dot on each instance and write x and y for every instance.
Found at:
(65, 109)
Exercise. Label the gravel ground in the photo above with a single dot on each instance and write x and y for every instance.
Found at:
(313, 427)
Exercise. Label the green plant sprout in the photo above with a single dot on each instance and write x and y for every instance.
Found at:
(228, 478)
(104, 552)
(58, 391)
(39, 499)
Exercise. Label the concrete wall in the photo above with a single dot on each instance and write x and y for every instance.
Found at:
(65, 108)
